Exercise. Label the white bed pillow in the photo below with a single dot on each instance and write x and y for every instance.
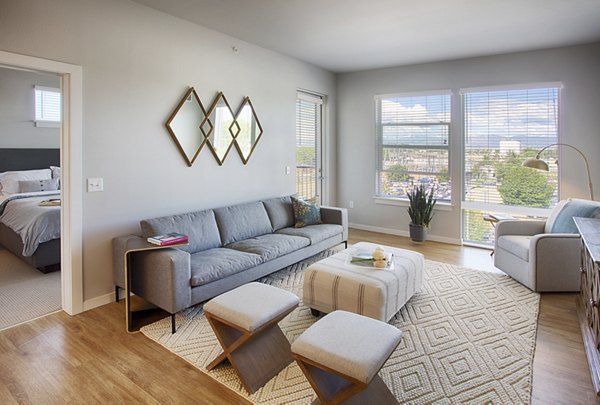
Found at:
(55, 172)
(9, 181)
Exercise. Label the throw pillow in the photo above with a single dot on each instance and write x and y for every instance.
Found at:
(563, 221)
(305, 213)
(28, 186)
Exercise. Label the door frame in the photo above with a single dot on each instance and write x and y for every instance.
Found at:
(71, 136)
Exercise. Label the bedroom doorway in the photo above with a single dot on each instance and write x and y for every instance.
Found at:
(71, 274)
(30, 284)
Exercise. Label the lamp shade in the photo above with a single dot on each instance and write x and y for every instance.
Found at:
(536, 163)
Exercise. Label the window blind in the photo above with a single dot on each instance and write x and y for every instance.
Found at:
(47, 104)
(308, 145)
(503, 127)
(413, 133)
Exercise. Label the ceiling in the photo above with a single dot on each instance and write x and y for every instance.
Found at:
(352, 35)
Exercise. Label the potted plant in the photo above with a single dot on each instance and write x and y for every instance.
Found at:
(420, 212)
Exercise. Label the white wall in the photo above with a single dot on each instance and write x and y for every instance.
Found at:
(576, 67)
(137, 64)
(17, 128)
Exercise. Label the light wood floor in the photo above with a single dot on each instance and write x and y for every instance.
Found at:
(89, 358)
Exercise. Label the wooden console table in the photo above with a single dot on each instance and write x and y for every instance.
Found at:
(589, 300)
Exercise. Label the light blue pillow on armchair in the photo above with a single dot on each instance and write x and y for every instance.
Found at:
(562, 221)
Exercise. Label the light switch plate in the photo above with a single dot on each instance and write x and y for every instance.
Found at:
(95, 184)
(288, 170)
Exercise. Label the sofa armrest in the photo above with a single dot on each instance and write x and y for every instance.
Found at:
(335, 215)
(163, 277)
(554, 260)
(523, 227)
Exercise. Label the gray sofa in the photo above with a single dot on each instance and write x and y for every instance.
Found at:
(228, 247)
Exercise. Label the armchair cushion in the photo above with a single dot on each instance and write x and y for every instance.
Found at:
(561, 217)
(516, 244)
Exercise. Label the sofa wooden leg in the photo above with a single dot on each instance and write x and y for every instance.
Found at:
(173, 327)
(116, 293)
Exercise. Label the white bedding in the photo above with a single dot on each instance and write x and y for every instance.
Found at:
(35, 224)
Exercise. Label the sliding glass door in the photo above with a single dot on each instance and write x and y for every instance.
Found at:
(309, 124)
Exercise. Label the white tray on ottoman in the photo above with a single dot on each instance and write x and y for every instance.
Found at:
(334, 283)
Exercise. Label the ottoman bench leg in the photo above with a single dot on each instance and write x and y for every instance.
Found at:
(256, 356)
(333, 387)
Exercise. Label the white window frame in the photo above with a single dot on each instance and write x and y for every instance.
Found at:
(44, 123)
(445, 205)
(503, 208)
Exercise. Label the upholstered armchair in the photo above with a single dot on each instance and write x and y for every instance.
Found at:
(544, 255)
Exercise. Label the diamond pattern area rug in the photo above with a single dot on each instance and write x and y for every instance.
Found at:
(468, 337)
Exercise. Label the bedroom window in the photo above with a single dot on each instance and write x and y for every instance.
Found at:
(413, 135)
(502, 127)
(47, 106)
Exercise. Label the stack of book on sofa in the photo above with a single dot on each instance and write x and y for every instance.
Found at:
(168, 239)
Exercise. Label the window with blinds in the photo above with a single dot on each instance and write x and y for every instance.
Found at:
(413, 133)
(503, 127)
(47, 106)
(308, 146)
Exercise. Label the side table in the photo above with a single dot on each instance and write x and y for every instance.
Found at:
(494, 219)
(133, 246)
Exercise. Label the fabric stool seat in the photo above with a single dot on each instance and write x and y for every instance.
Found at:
(341, 354)
(245, 323)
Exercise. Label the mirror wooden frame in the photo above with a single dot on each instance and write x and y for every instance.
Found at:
(212, 148)
(259, 126)
(190, 93)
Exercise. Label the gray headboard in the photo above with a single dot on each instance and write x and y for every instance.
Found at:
(28, 159)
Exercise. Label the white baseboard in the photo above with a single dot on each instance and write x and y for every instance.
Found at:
(98, 301)
(390, 231)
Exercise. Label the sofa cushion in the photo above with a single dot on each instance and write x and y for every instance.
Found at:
(280, 212)
(270, 246)
(243, 221)
(200, 226)
(215, 264)
(316, 233)
(561, 217)
(515, 244)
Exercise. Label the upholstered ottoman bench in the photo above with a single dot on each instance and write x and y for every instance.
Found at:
(341, 354)
(245, 323)
(334, 283)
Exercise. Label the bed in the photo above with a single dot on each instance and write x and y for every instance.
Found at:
(37, 243)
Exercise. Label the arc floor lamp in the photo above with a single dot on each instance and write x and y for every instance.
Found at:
(537, 163)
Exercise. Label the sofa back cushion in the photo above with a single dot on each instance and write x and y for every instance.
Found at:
(242, 221)
(560, 219)
(200, 226)
(280, 212)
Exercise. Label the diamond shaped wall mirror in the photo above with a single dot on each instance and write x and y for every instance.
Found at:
(249, 132)
(184, 126)
(223, 130)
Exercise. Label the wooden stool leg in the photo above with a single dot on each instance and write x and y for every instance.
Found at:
(256, 357)
(334, 388)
